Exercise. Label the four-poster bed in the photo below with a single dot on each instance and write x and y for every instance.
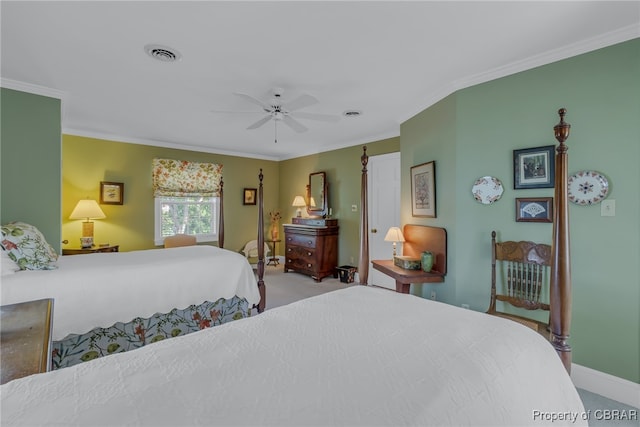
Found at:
(560, 280)
(333, 359)
(115, 302)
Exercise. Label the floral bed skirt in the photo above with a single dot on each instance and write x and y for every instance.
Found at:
(139, 332)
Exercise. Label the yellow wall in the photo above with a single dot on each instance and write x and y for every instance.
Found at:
(87, 161)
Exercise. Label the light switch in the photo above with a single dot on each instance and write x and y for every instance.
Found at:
(354, 208)
(608, 208)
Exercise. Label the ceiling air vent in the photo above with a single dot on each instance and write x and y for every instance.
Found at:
(162, 53)
(352, 113)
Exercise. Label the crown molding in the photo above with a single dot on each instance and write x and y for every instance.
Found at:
(34, 89)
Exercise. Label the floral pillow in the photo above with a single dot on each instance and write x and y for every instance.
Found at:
(8, 266)
(27, 247)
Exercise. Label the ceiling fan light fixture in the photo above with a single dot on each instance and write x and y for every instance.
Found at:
(162, 53)
(352, 113)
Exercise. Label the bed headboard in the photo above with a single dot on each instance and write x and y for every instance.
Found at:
(420, 238)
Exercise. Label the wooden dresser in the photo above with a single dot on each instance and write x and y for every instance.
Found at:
(311, 247)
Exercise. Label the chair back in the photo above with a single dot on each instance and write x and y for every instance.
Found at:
(522, 269)
(179, 240)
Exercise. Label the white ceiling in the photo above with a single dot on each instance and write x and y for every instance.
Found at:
(388, 59)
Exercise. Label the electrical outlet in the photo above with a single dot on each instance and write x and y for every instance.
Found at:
(351, 260)
(465, 306)
(433, 295)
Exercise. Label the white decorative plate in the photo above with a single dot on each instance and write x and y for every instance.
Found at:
(587, 188)
(487, 190)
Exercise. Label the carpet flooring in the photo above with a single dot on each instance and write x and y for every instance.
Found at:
(283, 289)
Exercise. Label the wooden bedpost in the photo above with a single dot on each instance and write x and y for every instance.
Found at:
(560, 281)
(221, 216)
(261, 287)
(363, 264)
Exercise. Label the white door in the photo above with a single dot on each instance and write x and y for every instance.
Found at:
(384, 212)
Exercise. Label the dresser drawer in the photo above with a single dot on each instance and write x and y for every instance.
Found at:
(300, 252)
(301, 240)
(300, 264)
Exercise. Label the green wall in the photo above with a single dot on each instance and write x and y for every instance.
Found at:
(30, 164)
(87, 161)
(473, 133)
(344, 171)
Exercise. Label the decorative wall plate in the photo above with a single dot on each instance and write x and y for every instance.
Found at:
(587, 188)
(487, 190)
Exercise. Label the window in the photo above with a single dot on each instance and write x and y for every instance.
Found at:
(187, 199)
(186, 215)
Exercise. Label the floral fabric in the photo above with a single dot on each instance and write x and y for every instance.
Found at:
(27, 247)
(139, 332)
(179, 178)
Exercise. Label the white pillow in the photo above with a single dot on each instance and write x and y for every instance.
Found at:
(8, 266)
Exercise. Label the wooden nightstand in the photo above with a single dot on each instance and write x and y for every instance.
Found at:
(25, 338)
(93, 250)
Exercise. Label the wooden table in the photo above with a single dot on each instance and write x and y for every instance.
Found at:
(25, 338)
(274, 258)
(404, 278)
(91, 250)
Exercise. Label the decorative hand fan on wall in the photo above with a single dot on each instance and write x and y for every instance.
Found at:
(285, 112)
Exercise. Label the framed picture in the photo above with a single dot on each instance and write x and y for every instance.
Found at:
(533, 167)
(423, 190)
(249, 196)
(111, 193)
(534, 209)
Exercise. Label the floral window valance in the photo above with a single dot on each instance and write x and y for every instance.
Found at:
(179, 178)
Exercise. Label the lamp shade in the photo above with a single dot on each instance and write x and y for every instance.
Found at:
(299, 202)
(394, 235)
(87, 209)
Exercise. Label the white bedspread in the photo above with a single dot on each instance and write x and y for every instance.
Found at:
(358, 356)
(100, 289)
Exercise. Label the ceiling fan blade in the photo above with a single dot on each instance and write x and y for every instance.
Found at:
(300, 102)
(294, 124)
(314, 116)
(253, 100)
(235, 112)
(260, 122)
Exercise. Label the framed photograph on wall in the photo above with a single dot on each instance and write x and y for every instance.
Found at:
(111, 193)
(534, 209)
(423, 190)
(533, 167)
(249, 196)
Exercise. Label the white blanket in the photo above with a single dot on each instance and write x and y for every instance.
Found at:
(358, 356)
(98, 290)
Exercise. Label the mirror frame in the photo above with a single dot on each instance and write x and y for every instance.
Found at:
(323, 209)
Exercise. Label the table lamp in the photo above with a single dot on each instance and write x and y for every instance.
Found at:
(394, 235)
(299, 202)
(87, 209)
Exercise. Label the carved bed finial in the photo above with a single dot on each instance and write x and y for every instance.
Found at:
(563, 128)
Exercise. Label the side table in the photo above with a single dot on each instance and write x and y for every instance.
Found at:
(92, 250)
(274, 258)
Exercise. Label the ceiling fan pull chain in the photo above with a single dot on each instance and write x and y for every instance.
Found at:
(276, 124)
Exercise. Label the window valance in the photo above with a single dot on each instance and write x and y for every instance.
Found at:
(179, 178)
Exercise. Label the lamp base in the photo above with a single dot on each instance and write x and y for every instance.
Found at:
(298, 213)
(86, 242)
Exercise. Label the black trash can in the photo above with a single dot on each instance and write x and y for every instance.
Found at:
(346, 273)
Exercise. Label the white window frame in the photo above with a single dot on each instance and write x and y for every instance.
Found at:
(159, 239)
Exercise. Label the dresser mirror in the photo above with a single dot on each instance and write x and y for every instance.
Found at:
(317, 194)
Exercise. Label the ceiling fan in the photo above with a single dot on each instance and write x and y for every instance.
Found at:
(279, 111)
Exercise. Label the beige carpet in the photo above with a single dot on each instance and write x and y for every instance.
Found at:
(285, 288)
